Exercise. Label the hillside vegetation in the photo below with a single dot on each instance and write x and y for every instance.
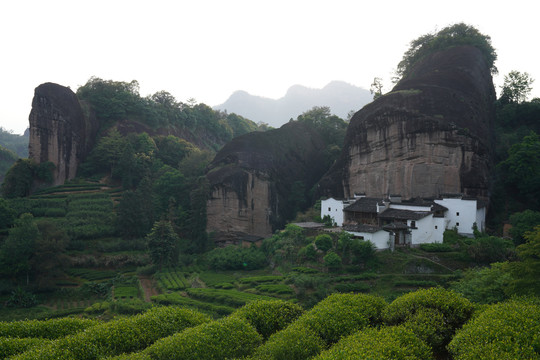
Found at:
(117, 263)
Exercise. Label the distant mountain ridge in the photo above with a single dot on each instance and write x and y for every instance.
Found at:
(340, 96)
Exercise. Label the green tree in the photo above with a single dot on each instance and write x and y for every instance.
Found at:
(323, 242)
(332, 260)
(49, 256)
(19, 179)
(7, 214)
(376, 88)
(521, 170)
(107, 153)
(163, 244)
(522, 223)
(17, 250)
(171, 150)
(526, 272)
(454, 35)
(516, 88)
(485, 285)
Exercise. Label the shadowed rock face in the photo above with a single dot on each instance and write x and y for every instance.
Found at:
(431, 134)
(59, 131)
(252, 179)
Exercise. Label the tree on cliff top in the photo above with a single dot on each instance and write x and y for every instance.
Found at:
(455, 35)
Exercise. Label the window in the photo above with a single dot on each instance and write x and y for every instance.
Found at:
(329, 209)
(457, 224)
(457, 213)
(413, 224)
(436, 227)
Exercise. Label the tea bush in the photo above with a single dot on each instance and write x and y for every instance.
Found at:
(339, 315)
(508, 330)
(296, 342)
(119, 336)
(269, 316)
(387, 343)
(46, 329)
(421, 307)
(12, 346)
(227, 338)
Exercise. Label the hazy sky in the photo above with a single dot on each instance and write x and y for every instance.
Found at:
(207, 49)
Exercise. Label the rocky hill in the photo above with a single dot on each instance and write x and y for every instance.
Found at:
(60, 131)
(258, 179)
(339, 96)
(431, 134)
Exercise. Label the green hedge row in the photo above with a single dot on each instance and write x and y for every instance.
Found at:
(261, 279)
(269, 316)
(46, 329)
(509, 330)
(228, 338)
(433, 314)
(387, 343)
(336, 316)
(232, 298)
(119, 336)
(177, 299)
(14, 346)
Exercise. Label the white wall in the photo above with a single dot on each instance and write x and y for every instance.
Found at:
(461, 214)
(379, 239)
(428, 230)
(333, 208)
(481, 219)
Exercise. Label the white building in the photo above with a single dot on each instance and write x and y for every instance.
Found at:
(392, 222)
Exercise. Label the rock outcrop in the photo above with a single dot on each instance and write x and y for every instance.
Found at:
(60, 132)
(432, 134)
(257, 178)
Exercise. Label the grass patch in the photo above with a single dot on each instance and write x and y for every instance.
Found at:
(232, 298)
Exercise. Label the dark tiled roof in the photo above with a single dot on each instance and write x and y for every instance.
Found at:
(403, 214)
(309, 225)
(395, 226)
(365, 204)
(362, 228)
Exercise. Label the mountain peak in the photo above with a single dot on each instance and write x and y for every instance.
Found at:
(340, 96)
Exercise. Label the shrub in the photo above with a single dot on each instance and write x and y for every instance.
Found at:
(280, 289)
(295, 342)
(323, 242)
(225, 297)
(119, 336)
(332, 260)
(417, 307)
(222, 339)
(261, 279)
(436, 247)
(354, 287)
(509, 330)
(236, 258)
(269, 316)
(46, 329)
(392, 343)
(13, 346)
(342, 314)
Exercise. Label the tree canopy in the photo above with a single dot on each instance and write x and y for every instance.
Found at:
(454, 35)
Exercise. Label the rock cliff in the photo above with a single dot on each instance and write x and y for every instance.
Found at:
(258, 178)
(60, 132)
(431, 134)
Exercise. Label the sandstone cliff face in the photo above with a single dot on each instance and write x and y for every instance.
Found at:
(253, 179)
(59, 131)
(431, 135)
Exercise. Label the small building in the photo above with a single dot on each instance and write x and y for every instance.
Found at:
(395, 222)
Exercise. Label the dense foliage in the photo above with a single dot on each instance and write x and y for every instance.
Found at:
(509, 330)
(454, 35)
(117, 100)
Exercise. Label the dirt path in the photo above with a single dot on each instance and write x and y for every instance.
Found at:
(148, 287)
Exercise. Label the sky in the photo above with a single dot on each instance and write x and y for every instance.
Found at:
(207, 49)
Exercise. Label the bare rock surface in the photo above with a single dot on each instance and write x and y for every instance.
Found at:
(431, 134)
